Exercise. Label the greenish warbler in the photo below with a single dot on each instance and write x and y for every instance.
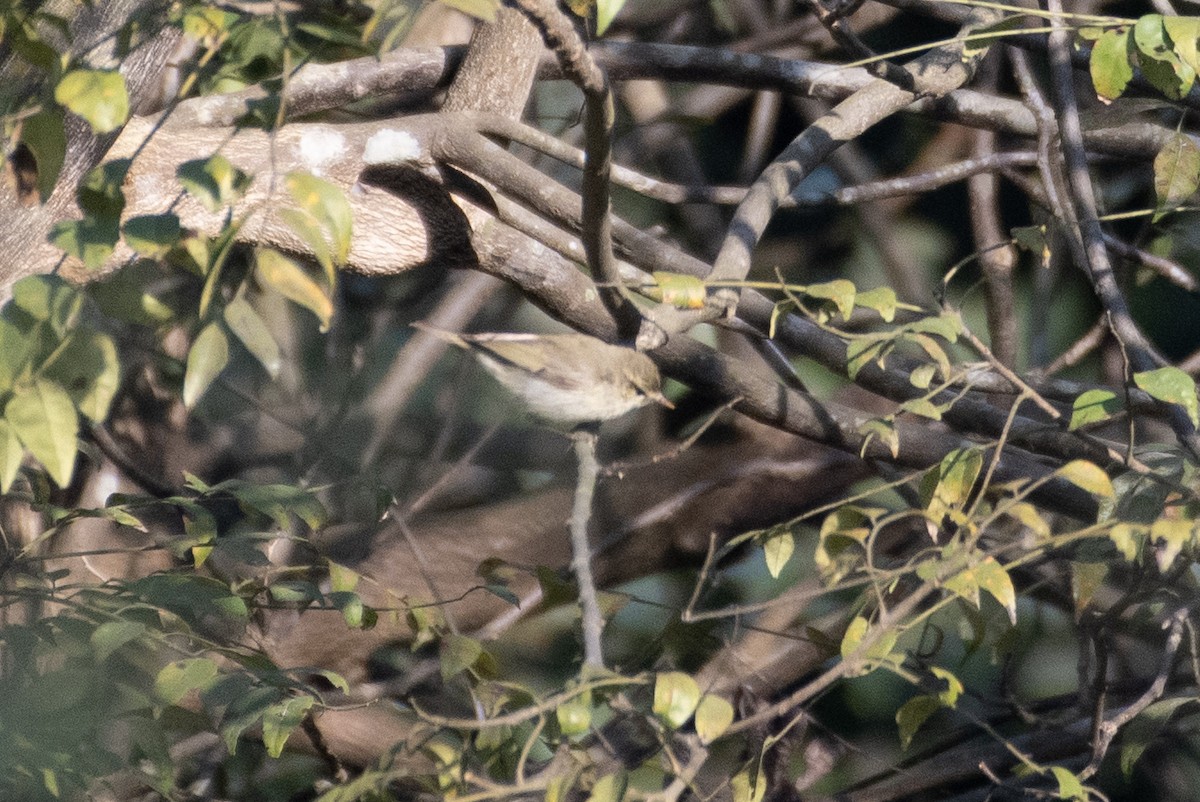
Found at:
(565, 379)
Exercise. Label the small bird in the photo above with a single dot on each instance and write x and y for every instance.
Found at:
(565, 379)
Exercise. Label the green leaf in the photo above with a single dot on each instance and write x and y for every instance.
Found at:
(881, 299)
(1172, 386)
(46, 138)
(153, 235)
(575, 715)
(610, 787)
(281, 719)
(246, 705)
(88, 368)
(1086, 579)
(606, 11)
(995, 580)
(306, 228)
(954, 686)
(89, 240)
(882, 430)
(1128, 539)
(43, 417)
(327, 204)
(97, 96)
(101, 194)
(342, 579)
(778, 549)
(481, 9)
(922, 376)
(208, 356)
(676, 696)
(746, 789)
(713, 716)
(841, 291)
(853, 638)
(1030, 517)
(1176, 172)
(1184, 33)
(1087, 476)
(1094, 406)
(1070, 787)
(912, 714)
(1171, 535)
(956, 477)
(458, 654)
(214, 182)
(176, 680)
(355, 613)
(923, 407)
(1109, 64)
(253, 333)
(11, 453)
(112, 635)
(1145, 728)
(678, 290)
(288, 279)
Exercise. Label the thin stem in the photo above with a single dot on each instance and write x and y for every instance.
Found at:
(581, 551)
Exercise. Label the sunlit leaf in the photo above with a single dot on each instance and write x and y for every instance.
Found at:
(1184, 33)
(956, 477)
(458, 654)
(214, 182)
(11, 454)
(1128, 539)
(1094, 406)
(610, 787)
(884, 431)
(208, 356)
(678, 290)
(841, 291)
(922, 407)
(922, 376)
(676, 696)
(253, 333)
(153, 235)
(714, 714)
(327, 204)
(1173, 386)
(1031, 517)
(44, 418)
(1176, 172)
(747, 788)
(606, 11)
(995, 580)
(1070, 787)
(176, 680)
(1087, 476)
(777, 549)
(281, 719)
(575, 715)
(98, 96)
(1086, 579)
(1109, 64)
(881, 299)
(290, 280)
(1169, 536)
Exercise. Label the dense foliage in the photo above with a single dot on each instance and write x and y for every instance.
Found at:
(921, 525)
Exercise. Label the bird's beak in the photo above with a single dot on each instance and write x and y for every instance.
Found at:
(659, 398)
